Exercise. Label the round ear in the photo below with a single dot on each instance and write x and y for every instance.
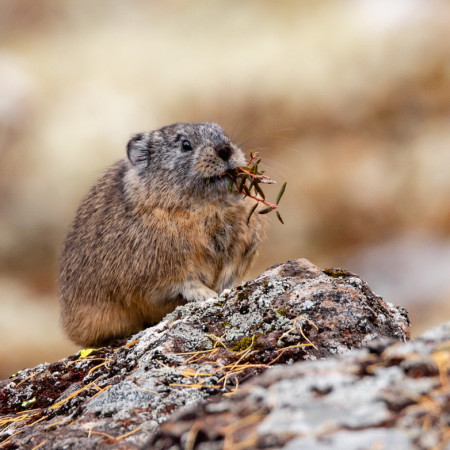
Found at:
(138, 151)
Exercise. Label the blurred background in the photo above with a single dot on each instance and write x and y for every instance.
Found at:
(349, 102)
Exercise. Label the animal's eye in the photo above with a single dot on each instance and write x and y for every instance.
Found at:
(186, 145)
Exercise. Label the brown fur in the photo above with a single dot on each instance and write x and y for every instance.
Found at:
(153, 234)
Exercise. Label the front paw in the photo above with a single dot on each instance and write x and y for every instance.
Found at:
(195, 290)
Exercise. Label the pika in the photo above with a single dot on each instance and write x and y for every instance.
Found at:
(158, 229)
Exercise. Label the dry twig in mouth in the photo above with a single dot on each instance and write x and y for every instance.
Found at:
(252, 175)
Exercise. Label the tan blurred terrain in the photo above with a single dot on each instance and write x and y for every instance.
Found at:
(347, 102)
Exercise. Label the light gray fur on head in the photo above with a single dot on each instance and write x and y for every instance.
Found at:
(159, 155)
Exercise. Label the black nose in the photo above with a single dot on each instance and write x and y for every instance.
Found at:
(224, 152)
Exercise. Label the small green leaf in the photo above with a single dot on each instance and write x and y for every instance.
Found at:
(28, 402)
(230, 185)
(251, 212)
(266, 210)
(279, 217)
(260, 191)
(280, 194)
(86, 352)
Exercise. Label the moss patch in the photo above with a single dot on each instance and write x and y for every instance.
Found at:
(245, 343)
(336, 272)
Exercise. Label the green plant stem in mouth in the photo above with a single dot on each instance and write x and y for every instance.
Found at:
(251, 174)
(216, 178)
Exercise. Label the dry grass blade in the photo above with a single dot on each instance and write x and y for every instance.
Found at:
(40, 445)
(128, 434)
(74, 394)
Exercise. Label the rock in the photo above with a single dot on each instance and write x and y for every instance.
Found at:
(292, 312)
(392, 396)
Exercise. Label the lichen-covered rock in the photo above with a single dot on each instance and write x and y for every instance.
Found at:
(386, 396)
(118, 396)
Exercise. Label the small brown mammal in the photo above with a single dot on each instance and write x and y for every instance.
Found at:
(158, 229)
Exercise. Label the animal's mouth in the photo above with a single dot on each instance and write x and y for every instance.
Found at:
(223, 177)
